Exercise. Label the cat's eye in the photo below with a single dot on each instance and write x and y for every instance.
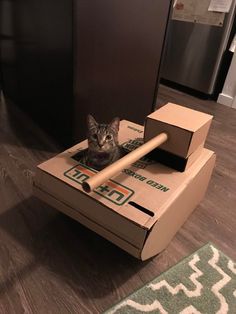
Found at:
(108, 137)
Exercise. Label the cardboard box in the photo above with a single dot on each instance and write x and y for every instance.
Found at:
(187, 128)
(140, 209)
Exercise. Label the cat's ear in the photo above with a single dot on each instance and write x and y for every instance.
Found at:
(115, 124)
(91, 122)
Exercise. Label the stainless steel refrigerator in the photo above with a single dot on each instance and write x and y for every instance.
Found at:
(195, 53)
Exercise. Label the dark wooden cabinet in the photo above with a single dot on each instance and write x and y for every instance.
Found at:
(64, 59)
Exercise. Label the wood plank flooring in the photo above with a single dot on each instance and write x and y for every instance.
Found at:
(51, 264)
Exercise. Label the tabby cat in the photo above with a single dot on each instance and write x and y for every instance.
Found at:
(103, 147)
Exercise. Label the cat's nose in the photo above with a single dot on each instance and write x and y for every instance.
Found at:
(101, 143)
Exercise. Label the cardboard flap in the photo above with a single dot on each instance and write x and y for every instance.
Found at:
(179, 210)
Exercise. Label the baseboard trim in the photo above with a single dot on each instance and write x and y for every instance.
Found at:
(225, 100)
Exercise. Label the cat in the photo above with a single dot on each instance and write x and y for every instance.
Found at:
(103, 146)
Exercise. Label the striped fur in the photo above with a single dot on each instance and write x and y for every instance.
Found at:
(103, 146)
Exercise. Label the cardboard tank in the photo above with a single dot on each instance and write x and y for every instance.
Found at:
(142, 200)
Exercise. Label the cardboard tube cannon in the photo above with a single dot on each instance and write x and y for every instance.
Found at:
(123, 162)
(182, 134)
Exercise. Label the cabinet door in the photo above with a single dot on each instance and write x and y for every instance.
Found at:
(36, 57)
(117, 53)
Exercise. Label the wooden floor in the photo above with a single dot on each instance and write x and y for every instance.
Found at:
(51, 264)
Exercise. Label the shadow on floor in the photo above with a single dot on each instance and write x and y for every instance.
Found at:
(17, 128)
(55, 244)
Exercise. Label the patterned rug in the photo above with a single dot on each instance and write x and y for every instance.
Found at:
(204, 282)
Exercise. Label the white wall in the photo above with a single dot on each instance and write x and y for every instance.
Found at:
(228, 95)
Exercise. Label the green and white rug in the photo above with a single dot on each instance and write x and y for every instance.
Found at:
(204, 282)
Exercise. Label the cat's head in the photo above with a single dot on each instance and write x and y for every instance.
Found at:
(102, 137)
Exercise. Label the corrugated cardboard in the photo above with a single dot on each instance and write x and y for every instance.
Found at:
(186, 127)
(140, 209)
